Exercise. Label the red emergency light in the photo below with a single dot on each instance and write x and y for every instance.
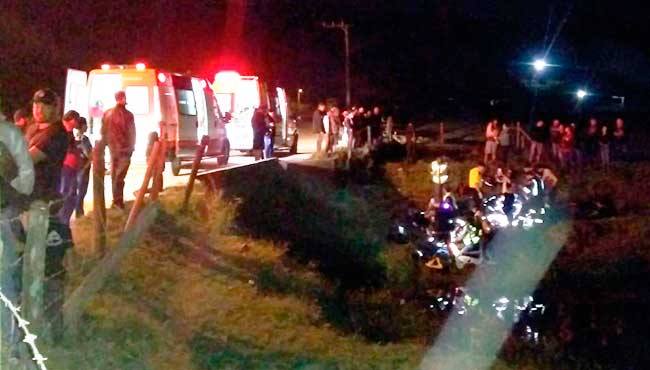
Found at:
(106, 67)
(162, 77)
(140, 66)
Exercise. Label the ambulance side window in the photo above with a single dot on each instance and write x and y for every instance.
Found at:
(186, 102)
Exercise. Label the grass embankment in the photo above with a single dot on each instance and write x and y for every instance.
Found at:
(199, 293)
(284, 273)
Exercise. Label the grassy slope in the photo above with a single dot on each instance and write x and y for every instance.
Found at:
(189, 297)
(192, 297)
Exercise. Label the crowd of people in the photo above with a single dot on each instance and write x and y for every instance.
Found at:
(562, 143)
(46, 156)
(350, 128)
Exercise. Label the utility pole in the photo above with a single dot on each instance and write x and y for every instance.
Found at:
(345, 28)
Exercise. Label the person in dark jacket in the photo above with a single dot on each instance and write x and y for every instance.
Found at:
(539, 135)
(319, 127)
(118, 132)
(269, 136)
(47, 148)
(591, 140)
(82, 142)
(259, 123)
(69, 185)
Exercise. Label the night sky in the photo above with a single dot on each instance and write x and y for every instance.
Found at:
(408, 52)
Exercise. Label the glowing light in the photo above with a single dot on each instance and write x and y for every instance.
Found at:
(140, 66)
(540, 65)
(440, 179)
(162, 78)
(581, 94)
(437, 167)
(226, 81)
(106, 67)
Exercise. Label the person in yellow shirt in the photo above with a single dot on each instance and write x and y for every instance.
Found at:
(475, 180)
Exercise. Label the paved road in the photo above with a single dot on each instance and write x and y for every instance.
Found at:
(133, 182)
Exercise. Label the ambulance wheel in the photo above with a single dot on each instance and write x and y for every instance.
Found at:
(176, 166)
(222, 160)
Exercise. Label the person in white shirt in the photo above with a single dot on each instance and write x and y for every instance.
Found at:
(491, 141)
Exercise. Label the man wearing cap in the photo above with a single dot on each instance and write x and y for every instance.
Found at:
(118, 132)
(49, 144)
(48, 147)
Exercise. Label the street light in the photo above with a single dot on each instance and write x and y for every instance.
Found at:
(540, 65)
(299, 94)
(581, 94)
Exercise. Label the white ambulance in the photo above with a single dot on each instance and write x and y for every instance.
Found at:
(180, 108)
(237, 97)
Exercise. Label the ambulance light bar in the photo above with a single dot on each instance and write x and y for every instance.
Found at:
(138, 66)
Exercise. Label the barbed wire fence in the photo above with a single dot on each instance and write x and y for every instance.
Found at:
(29, 337)
(34, 255)
(7, 247)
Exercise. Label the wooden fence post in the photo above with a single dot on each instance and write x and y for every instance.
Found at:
(156, 186)
(369, 133)
(442, 132)
(74, 305)
(198, 157)
(139, 199)
(4, 266)
(34, 266)
(99, 202)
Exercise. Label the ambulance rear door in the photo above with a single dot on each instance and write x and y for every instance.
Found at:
(188, 120)
(203, 118)
(76, 92)
(283, 111)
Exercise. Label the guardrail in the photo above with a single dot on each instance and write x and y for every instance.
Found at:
(214, 179)
(522, 139)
